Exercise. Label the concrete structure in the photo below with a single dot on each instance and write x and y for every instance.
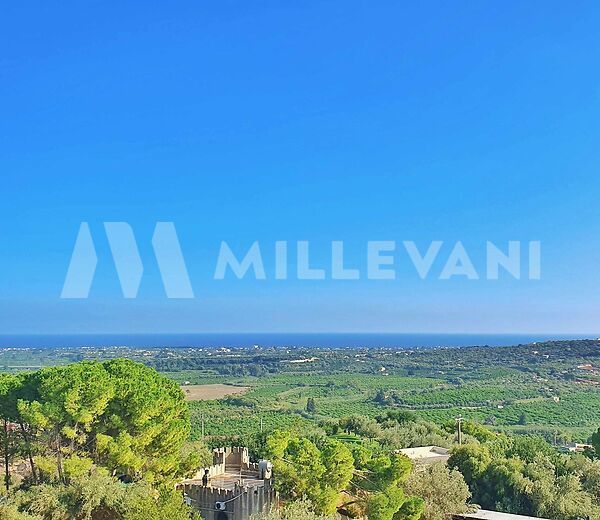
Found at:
(233, 488)
(576, 447)
(426, 454)
(482, 514)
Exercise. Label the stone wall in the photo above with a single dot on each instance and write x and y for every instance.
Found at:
(232, 457)
(240, 503)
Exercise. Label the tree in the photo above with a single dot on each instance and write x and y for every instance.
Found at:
(339, 468)
(471, 460)
(401, 417)
(596, 442)
(311, 407)
(443, 490)
(480, 432)
(145, 425)
(528, 447)
(587, 470)
(123, 415)
(380, 397)
(97, 496)
(27, 392)
(412, 509)
(298, 510)
(362, 426)
(86, 423)
(69, 402)
(527, 477)
(304, 469)
(377, 485)
(384, 504)
(194, 455)
(8, 447)
(559, 497)
(490, 420)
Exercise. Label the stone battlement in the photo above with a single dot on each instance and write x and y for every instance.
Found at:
(233, 488)
(231, 461)
(234, 457)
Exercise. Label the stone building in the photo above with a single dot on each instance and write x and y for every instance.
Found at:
(233, 488)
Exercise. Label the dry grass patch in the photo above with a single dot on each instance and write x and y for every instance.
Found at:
(211, 392)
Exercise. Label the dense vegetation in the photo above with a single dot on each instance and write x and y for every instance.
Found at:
(324, 468)
(98, 438)
(525, 475)
(548, 388)
(331, 420)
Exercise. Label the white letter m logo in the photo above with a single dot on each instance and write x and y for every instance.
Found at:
(128, 263)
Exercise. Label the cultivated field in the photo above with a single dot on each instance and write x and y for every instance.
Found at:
(211, 392)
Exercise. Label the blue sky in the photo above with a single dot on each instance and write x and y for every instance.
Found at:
(321, 121)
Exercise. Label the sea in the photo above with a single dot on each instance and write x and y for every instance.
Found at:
(283, 340)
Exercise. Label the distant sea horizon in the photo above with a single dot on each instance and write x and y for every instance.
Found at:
(279, 339)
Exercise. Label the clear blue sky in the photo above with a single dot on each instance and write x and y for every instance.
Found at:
(320, 121)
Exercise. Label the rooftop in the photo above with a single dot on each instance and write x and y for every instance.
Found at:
(426, 454)
(231, 469)
(229, 479)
